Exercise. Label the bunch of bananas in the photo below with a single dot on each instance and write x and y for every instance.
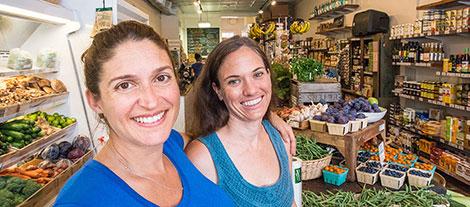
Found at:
(299, 27)
(257, 31)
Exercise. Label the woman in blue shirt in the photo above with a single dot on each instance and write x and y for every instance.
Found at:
(239, 149)
(132, 85)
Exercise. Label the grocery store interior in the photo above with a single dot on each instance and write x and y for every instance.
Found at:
(376, 93)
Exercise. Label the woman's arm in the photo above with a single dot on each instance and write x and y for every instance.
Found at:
(285, 130)
(200, 156)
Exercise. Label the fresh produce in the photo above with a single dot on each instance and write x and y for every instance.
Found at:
(374, 164)
(368, 169)
(75, 153)
(14, 190)
(56, 120)
(341, 112)
(362, 159)
(306, 69)
(257, 31)
(373, 197)
(302, 112)
(81, 142)
(424, 166)
(308, 149)
(3, 146)
(373, 100)
(18, 133)
(299, 27)
(397, 167)
(393, 173)
(52, 152)
(419, 173)
(282, 80)
(64, 148)
(334, 169)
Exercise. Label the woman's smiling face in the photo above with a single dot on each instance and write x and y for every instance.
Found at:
(245, 85)
(139, 94)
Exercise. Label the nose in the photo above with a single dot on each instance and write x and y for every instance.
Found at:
(148, 97)
(249, 88)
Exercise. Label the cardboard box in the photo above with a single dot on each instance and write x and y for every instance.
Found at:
(279, 10)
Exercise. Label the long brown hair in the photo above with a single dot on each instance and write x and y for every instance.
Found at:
(103, 47)
(212, 113)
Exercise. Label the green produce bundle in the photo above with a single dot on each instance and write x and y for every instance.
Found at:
(308, 149)
(306, 69)
(19, 132)
(56, 120)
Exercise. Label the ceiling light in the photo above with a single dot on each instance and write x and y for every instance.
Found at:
(273, 3)
(204, 24)
(260, 11)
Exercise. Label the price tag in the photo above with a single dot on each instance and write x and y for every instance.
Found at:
(382, 152)
(381, 127)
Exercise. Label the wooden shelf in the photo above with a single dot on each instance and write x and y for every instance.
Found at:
(352, 92)
(458, 177)
(339, 11)
(441, 142)
(335, 31)
(448, 74)
(455, 106)
(36, 104)
(15, 156)
(5, 72)
(436, 34)
(444, 4)
(429, 65)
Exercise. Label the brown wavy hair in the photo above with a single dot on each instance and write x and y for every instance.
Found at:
(212, 113)
(104, 44)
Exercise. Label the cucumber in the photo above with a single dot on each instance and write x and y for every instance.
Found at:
(17, 145)
(15, 126)
(36, 129)
(16, 135)
(23, 121)
(28, 137)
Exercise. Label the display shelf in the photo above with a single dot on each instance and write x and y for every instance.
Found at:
(352, 92)
(455, 106)
(36, 104)
(5, 72)
(442, 143)
(448, 74)
(16, 155)
(42, 11)
(436, 34)
(431, 65)
(49, 191)
(335, 31)
(444, 4)
(339, 11)
(458, 177)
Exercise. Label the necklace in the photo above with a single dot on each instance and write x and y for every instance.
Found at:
(125, 164)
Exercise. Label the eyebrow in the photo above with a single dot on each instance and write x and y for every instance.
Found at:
(129, 76)
(236, 76)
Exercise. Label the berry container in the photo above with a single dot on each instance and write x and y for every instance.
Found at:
(364, 123)
(375, 164)
(355, 125)
(390, 181)
(318, 126)
(419, 181)
(334, 178)
(365, 177)
(338, 129)
(431, 171)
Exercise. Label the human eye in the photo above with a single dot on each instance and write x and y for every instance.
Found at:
(163, 78)
(233, 82)
(259, 74)
(124, 86)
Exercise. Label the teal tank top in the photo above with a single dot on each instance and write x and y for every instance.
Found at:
(243, 193)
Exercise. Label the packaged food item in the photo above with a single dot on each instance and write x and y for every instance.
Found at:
(47, 58)
(19, 60)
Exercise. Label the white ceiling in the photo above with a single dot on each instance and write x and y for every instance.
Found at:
(225, 6)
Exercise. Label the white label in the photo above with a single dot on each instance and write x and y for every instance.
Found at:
(381, 127)
(382, 152)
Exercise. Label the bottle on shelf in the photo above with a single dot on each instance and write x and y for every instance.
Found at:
(465, 61)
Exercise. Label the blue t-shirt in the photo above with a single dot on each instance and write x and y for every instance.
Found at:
(97, 185)
(197, 68)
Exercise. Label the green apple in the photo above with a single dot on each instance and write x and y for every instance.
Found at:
(373, 100)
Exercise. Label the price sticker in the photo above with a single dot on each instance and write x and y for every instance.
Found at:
(382, 152)
(381, 127)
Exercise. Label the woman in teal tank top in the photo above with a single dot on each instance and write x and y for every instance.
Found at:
(238, 147)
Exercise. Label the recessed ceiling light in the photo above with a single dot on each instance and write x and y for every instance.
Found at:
(273, 3)
(260, 11)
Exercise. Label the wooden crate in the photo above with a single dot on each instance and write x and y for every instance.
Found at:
(307, 92)
(51, 189)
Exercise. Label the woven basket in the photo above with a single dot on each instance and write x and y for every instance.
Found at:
(312, 169)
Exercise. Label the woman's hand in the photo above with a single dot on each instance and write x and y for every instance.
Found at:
(285, 130)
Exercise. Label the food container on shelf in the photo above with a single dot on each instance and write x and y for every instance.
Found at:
(363, 123)
(431, 171)
(374, 117)
(365, 177)
(392, 182)
(334, 178)
(419, 181)
(299, 125)
(338, 129)
(375, 164)
(318, 126)
(312, 169)
(355, 125)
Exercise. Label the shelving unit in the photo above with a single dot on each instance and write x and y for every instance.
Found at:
(448, 74)
(458, 177)
(17, 155)
(434, 102)
(335, 30)
(444, 4)
(341, 10)
(5, 72)
(429, 65)
(431, 35)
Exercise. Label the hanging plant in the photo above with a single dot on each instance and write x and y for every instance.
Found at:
(306, 69)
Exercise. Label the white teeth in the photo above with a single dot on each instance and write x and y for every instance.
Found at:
(149, 119)
(252, 102)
